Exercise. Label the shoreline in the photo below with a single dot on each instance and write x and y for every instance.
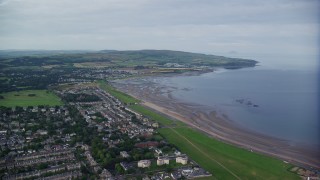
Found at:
(206, 120)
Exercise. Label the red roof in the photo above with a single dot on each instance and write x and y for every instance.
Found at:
(147, 144)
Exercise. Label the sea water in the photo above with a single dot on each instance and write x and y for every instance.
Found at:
(278, 103)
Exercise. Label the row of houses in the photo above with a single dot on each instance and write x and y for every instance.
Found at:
(43, 154)
(34, 174)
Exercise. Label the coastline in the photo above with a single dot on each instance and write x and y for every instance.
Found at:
(206, 120)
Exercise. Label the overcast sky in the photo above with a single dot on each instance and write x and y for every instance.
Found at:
(232, 27)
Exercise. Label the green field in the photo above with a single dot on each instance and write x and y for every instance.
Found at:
(224, 161)
(125, 98)
(25, 98)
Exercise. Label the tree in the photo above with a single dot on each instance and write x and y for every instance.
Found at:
(119, 169)
(169, 169)
(148, 155)
(43, 166)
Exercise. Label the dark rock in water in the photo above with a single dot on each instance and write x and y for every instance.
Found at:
(249, 103)
(246, 102)
(241, 101)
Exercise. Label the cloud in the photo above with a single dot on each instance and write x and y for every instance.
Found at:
(208, 26)
(4, 2)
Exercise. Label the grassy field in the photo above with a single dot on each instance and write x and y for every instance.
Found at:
(125, 98)
(224, 161)
(29, 98)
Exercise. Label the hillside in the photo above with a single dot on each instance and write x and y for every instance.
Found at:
(124, 58)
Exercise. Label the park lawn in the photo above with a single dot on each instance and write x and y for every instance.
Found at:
(155, 116)
(211, 154)
(22, 98)
(124, 98)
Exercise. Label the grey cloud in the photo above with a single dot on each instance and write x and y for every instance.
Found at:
(209, 26)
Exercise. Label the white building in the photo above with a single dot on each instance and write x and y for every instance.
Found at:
(177, 153)
(106, 175)
(42, 132)
(124, 154)
(144, 163)
(155, 125)
(186, 172)
(182, 159)
(158, 151)
(162, 160)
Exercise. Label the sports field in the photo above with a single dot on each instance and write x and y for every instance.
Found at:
(29, 98)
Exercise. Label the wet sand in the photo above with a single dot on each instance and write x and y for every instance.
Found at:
(205, 118)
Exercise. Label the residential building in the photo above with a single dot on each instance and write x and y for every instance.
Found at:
(162, 160)
(144, 163)
(182, 159)
(124, 154)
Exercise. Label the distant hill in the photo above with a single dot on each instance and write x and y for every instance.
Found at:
(122, 58)
(166, 56)
(19, 53)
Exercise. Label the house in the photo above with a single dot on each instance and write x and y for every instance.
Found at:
(42, 132)
(155, 125)
(124, 154)
(177, 153)
(105, 174)
(125, 166)
(144, 163)
(146, 178)
(162, 160)
(158, 151)
(73, 166)
(182, 159)
(147, 144)
(186, 172)
(176, 175)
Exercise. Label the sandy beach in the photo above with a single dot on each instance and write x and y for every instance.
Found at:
(207, 120)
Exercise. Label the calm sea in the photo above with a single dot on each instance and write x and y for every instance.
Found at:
(279, 103)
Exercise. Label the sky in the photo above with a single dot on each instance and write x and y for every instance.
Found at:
(273, 29)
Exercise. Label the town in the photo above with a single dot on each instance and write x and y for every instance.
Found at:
(93, 135)
(62, 116)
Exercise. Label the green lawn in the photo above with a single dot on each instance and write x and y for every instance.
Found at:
(125, 98)
(23, 98)
(223, 160)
